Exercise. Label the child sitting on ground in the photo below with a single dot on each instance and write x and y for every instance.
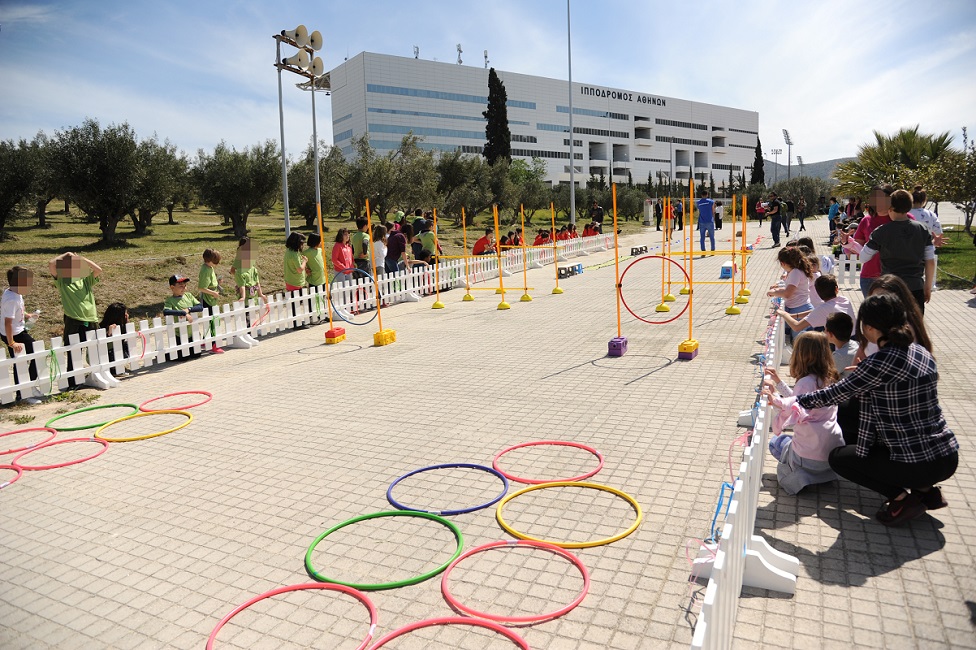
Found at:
(803, 456)
(181, 305)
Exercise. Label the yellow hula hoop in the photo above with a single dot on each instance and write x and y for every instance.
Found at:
(98, 433)
(596, 486)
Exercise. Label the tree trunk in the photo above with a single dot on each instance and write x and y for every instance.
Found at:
(108, 227)
(66, 210)
(227, 223)
(41, 212)
(240, 226)
(141, 221)
(169, 211)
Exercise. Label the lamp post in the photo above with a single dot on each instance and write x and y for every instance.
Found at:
(298, 63)
(572, 156)
(799, 159)
(789, 153)
(776, 153)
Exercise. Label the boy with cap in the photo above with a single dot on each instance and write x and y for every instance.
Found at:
(181, 305)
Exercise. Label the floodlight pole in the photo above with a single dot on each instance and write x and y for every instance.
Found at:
(789, 153)
(572, 156)
(776, 153)
(281, 121)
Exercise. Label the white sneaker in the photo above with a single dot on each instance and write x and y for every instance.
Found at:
(31, 401)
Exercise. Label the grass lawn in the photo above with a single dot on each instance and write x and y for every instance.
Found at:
(957, 260)
(136, 273)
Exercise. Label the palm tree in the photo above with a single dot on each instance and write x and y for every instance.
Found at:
(891, 159)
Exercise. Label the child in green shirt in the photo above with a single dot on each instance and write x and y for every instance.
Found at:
(181, 305)
(75, 277)
(209, 289)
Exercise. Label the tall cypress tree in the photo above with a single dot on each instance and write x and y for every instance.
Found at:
(498, 139)
(758, 173)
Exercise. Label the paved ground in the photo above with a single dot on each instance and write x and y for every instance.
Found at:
(149, 545)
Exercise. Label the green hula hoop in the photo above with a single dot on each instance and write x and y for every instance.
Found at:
(134, 407)
(385, 585)
(574, 484)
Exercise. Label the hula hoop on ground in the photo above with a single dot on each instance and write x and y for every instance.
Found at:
(453, 602)
(358, 595)
(19, 470)
(332, 293)
(209, 396)
(25, 447)
(595, 486)
(135, 409)
(16, 461)
(385, 585)
(189, 419)
(620, 290)
(458, 511)
(534, 481)
(453, 620)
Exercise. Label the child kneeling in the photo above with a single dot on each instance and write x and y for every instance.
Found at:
(803, 456)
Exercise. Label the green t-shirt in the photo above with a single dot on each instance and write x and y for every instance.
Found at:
(77, 298)
(208, 280)
(293, 269)
(315, 267)
(359, 241)
(249, 279)
(185, 301)
(429, 242)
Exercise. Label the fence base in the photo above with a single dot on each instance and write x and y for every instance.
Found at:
(765, 567)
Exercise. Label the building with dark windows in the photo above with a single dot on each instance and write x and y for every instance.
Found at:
(615, 131)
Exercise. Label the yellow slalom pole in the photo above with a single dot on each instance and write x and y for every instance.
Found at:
(669, 230)
(665, 249)
(467, 284)
(437, 268)
(555, 250)
(525, 261)
(744, 291)
(732, 309)
(501, 268)
(685, 239)
(688, 349)
(617, 346)
(382, 337)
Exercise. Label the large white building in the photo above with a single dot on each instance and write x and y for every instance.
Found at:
(641, 133)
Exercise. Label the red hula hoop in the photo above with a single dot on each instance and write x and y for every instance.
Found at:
(16, 461)
(533, 481)
(454, 620)
(25, 447)
(355, 593)
(20, 472)
(620, 290)
(209, 396)
(142, 337)
(453, 602)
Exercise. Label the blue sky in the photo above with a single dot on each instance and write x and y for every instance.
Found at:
(200, 72)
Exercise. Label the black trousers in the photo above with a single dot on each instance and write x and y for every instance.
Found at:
(879, 473)
(81, 328)
(26, 339)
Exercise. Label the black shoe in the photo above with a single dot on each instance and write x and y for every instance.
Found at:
(932, 498)
(900, 512)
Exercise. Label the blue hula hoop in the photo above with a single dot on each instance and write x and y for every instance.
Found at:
(336, 310)
(459, 511)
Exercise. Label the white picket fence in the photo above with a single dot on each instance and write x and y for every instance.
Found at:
(740, 557)
(848, 272)
(239, 326)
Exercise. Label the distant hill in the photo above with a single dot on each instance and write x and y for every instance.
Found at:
(817, 170)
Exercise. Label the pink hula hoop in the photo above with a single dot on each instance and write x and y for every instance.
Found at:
(534, 481)
(453, 602)
(454, 620)
(16, 461)
(209, 396)
(25, 447)
(355, 593)
(14, 468)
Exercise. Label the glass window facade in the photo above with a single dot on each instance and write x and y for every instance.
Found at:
(683, 125)
(668, 138)
(345, 135)
(592, 113)
(422, 130)
(436, 94)
(342, 119)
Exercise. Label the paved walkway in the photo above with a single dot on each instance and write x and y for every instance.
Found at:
(149, 545)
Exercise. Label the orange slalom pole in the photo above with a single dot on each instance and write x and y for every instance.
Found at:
(501, 268)
(525, 261)
(669, 216)
(467, 284)
(437, 268)
(732, 309)
(555, 250)
(744, 291)
(325, 266)
(688, 349)
(382, 337)
(616, 257)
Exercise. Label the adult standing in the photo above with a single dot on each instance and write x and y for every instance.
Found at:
(596, 214)
(774, 210)
(904, 446)
(706, 219)
(881, 200)
(679, 214)
(760, 211)
(658, 212)
(788, 208)
(801, 212)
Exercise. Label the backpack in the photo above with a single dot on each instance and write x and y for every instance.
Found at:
(789, 206)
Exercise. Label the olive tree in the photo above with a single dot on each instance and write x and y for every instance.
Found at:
(16, 177)
(235, 183)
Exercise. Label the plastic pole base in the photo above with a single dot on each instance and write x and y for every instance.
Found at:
(384, 337)
(741, 300)
(467, 298)
(745, 292)
(688, 350)
(662, 307)
(733, 310)
(504, 305)
(557, 290)
(499, 292)
(669, 298)
(684, 291)
(525, 298)
(335, 335)
(437, 305)
(617, 346)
